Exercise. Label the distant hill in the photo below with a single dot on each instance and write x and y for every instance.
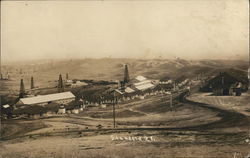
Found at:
(46, 73)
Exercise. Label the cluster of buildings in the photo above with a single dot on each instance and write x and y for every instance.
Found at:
(140, 87)
(75, 83)
(139, 84)
(232, 82)
(225, 83)
(128, 89)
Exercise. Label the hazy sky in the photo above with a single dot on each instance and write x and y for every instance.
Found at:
(134, 29)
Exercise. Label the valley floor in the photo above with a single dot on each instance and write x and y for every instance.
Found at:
(189, 129)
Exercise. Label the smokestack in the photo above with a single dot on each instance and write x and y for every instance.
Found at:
(22, 89)
(126, 75)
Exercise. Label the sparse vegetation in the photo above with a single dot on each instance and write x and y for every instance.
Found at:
(183, 130)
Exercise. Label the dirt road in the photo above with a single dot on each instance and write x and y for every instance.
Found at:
(191, 129)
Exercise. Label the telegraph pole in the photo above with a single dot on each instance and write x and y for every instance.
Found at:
(249, 78)
(0, 71)
(249, 71)
(114, 102)
(171, 100)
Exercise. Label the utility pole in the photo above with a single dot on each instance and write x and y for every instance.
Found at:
(249, 78)
(174, 86)
(114, 102)
(0, 113)
(0, 73)
(171, 100)
(161, 92)
(249, 72)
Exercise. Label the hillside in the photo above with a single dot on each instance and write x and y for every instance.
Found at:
(46, 72)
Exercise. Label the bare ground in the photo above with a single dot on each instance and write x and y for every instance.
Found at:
(190, 129)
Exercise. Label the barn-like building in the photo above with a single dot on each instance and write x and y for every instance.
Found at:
(232, 82)
(60, 98)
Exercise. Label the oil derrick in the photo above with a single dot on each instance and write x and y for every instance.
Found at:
(126, 75)
(22, 90)
(67, 76)
(32, 83)
(60, 84)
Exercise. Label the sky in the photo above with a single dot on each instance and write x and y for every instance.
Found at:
(192, 29)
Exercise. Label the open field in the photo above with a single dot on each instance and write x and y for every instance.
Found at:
(178, 132)
(239, 104)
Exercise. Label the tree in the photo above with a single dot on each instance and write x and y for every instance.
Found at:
(22, 90)
(60, 84)
(67, 76)
(32, 83)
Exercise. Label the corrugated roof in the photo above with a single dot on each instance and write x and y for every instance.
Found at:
(118, 91)
(47, 98)
(129, 90)
(145, 86)
(142, 83)
(140, 78)
(6, 106)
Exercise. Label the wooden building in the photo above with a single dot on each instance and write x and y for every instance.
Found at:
(60, 98)
(227, 83)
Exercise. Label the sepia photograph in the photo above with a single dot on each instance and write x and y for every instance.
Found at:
(124, 79)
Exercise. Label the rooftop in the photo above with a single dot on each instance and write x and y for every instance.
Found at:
(143, 83)
(140, 78)
(47, 98)
(129, 90)
(144, 86)
(6, 106)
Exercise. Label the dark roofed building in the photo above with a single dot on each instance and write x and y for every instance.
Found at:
(232, 82)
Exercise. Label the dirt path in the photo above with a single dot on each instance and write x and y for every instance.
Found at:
(228, 118)
(201, 140)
